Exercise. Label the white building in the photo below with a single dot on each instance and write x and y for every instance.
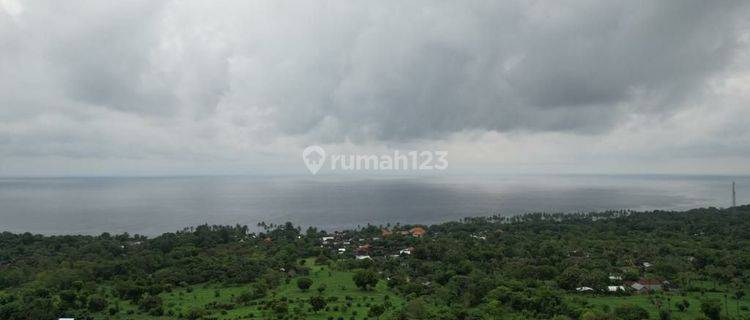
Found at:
(615, 288)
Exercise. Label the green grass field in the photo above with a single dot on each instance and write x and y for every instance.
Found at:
(338, 284)
(668, 300)
(353, 303)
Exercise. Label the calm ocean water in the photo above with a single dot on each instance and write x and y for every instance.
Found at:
(154, 205)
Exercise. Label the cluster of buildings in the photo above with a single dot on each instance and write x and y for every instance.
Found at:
(414, 232)
(362, 248)
(640, 286)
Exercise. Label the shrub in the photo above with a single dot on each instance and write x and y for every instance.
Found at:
(304, 283)
(631, 312)
(97, 303)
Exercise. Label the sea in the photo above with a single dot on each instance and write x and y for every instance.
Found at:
(154, 205)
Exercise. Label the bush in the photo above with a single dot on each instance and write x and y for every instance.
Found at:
(318, 303)
(375, 311)
(97, 303)
(196, 313)
(304, 283)
(664, 315)
(365, 279)
(711, 308)
(256, 292)
(630, 312)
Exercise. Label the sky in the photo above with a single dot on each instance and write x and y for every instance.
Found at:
(150, 87)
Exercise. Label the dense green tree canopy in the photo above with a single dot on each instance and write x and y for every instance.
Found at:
(532, 267)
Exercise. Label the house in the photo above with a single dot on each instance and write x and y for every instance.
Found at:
(406, 251)
(327, 239)
(363, 249)
(385, 232)
(362, 257)
(645, 285)
(480, 237)
(615, 288)
(342, 250)
(584, 289)
(638, 287)
(417, 232)
(615, 278)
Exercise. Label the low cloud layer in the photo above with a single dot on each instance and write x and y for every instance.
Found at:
(142, 84)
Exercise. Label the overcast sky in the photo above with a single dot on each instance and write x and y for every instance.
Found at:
(202, 87)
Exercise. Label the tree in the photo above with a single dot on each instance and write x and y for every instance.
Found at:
(630, 312)
(738, 295)
(151, 304)
(278, 307)
(196, 313)
(318, 303)
(415, 309)
(321, 287)
(376, 311)
(739, 292)
(97, 303)
(711, 308)
(256, 291)
(680, 306)
(593, 315)
(365, 279)
(304, 283)
(571, 278)
(664, 314)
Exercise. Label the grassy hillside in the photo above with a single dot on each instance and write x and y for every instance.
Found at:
(344, 299)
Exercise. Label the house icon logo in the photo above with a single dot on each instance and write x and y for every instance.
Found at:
(314, 158)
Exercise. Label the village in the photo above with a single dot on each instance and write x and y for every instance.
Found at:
(390, 243)
(642, 285)
(397, 242)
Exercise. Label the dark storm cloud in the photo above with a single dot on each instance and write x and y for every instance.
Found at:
(165, 76)
(106, 62)
(423, 71)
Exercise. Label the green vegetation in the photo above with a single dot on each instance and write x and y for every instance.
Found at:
(613, 265)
